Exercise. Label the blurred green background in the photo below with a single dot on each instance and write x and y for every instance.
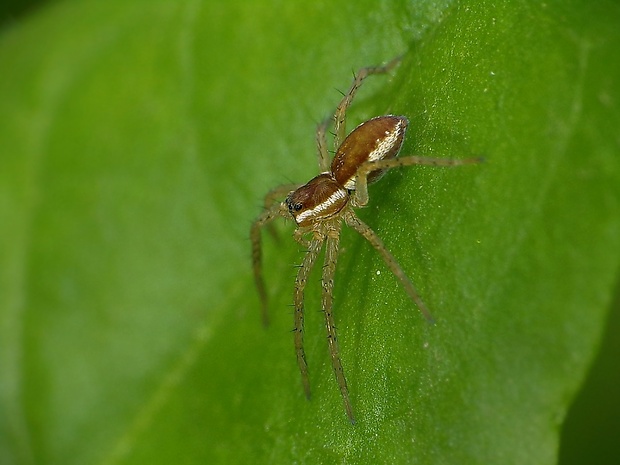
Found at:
(592, 428)
(16, 10)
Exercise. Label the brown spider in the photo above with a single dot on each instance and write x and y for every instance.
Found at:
(320, 206)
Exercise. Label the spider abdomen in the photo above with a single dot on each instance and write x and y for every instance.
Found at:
(377, 139)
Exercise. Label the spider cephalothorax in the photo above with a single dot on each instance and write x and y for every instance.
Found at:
(319, 207)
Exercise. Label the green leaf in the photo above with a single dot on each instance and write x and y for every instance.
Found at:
(137, 142)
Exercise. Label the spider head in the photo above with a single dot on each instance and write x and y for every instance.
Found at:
(319, 199)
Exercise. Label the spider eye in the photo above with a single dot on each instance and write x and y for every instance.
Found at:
(295, 207)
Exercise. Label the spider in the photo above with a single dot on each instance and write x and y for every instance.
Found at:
(320, 206)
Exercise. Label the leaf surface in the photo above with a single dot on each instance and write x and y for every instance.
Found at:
(137, 142)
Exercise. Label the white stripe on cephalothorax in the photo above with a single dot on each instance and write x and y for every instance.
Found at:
(321, 207)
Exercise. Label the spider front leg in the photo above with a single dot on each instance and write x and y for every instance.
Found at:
(360, 196)
(314, 247)
(362, 228)
(272, 198)
(341, 111)
(275, 195)
(265, 219)
(327, 303)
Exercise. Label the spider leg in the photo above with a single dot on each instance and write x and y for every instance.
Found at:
(329, 270)
(265, 218)
(299, 236)
(321, 144)
(360, 197)
(341, 110)
(275, 196)
(354, 222)
(314, 247)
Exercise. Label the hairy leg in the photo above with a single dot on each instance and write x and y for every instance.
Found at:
(353, 221)
(321, 144)
(314, 247)
(277, 195)
(329, 270)
(341, 110)
(257, 256)
(360, 197)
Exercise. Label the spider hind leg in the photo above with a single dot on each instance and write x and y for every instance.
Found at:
(367, 233)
